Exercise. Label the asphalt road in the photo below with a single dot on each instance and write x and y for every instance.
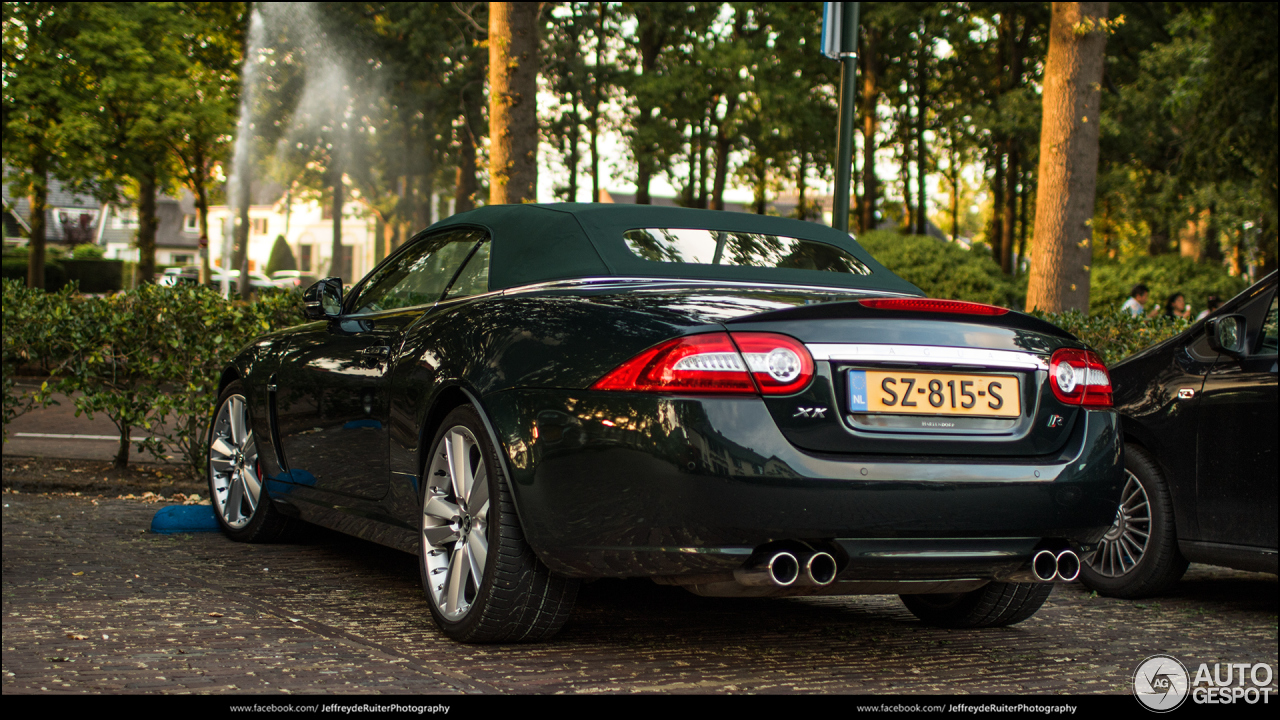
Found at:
(93, 603)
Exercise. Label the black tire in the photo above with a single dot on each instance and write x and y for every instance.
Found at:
(246, 514)
(517, 598)
(1123, 566)
(996, 604)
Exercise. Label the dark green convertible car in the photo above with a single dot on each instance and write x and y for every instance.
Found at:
(526, 396)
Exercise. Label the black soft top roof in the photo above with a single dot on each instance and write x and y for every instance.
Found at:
(535, 243)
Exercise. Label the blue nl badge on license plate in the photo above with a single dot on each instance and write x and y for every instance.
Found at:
(857, 391)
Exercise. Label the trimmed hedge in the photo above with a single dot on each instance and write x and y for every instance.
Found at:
(92, 275)
(148, 358)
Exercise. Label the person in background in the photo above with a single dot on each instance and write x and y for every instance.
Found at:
(1211, 303)
(1137, 299)
(1176, 307)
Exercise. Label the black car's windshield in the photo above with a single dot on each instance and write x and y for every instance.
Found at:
(741, 249)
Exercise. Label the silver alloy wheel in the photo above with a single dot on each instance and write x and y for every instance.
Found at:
(233, 464)
(1125, 543)
(455, 523)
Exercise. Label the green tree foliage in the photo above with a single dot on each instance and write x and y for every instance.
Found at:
(944, 270)
(281, 256)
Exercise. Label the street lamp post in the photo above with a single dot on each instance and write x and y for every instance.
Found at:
(840, 41)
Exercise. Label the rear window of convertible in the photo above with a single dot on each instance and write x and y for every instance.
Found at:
(741, 249)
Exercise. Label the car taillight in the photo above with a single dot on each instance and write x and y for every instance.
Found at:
(961, 307)
(1078, 377)
(712, 363)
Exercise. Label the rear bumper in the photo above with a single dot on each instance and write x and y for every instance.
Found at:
(624, 485)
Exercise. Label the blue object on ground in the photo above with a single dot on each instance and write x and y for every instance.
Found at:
(184, 519)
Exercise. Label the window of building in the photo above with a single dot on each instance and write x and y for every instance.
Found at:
(124, 217)
(258, 225)
(191, 223)
(305, 255)
(182, 259)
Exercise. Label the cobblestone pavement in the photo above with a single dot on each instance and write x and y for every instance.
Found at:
(93, 603)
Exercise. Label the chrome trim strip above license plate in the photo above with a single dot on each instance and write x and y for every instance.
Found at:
(927, 355)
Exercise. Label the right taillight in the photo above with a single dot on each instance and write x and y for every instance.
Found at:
(744, 364)
(1078, 377)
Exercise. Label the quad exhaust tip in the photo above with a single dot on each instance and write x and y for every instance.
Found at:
(1063, 566)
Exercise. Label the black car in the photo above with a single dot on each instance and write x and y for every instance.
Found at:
(529, 395)
(1199, 425)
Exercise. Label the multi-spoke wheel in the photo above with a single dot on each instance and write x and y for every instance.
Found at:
(1139, 555)
(235, 474)
(483, 583)
(1126, 542)
(455, 522)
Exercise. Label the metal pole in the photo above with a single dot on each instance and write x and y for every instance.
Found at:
(844, 153)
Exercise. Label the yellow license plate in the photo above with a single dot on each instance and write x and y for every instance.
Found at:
(926, 393)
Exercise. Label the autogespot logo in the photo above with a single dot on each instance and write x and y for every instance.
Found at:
(1161, 683)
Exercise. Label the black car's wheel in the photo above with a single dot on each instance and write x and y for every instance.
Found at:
(1139, 555)
(236, 486)
(993, 605)
(483, 583)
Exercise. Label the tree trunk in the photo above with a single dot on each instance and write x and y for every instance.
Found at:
(574, 157)
(199, 180)
(337, 263)
(1189, 237)
(39, 200)
(1067, 183)
(147, 222)
(762, 176)
(465, 186)
(801, 210)
(723, 145)
(704, 164)
(922, 226)
(1211, 246)
(1025, 196)
(995, 235)
(870, 98)
(1008, 224)
(513, 89)
(595, 106)
(241, 253)
(1158, 242)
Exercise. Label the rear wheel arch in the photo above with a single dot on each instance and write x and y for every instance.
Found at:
(446, 400)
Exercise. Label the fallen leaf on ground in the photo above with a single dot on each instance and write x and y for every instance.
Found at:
(215, 614)
(77, 636)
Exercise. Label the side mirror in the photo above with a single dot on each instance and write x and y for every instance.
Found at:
(1227, 334)
(323, 300)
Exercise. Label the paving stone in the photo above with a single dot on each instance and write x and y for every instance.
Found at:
(337, 615)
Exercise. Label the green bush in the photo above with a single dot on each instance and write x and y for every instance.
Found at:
(945, 270)
(1115, 335)
(148, 358)
(1110, 282)
(87, 251)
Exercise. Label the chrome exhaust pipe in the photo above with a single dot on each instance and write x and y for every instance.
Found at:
(1068, 564)
(1044, 566)
(819, 570)
(781, 569)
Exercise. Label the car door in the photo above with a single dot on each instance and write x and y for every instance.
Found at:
(332, 404)
(1236, 466)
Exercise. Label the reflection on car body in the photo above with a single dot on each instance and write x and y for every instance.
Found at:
(528, 396)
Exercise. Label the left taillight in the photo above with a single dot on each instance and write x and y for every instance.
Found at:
(741, 363)
(1078, 377)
